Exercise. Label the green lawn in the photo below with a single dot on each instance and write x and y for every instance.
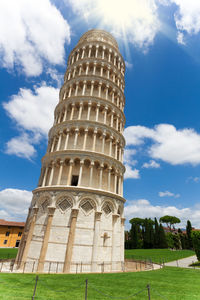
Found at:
(158, 255)
(6, 253)
(170, 283)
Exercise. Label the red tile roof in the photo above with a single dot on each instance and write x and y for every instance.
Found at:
(10, 223)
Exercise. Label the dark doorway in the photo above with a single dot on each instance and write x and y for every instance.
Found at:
(74, 181)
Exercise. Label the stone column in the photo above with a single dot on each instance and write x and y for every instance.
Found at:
(70, 91)
(66, 140)
(105, 114)
(80, 110)
(103, 142)
(96, 53)
(53, 144)
(100, 176)
(29, 237)
(101, 71)
(109, 55)
(60, 172)
(83, 53)
(94, 70)
(92, 88)
(111, 143)
(89, 110)
(85, 138)
(45, 240)
(78, 53)
(116, 149)
(84, 86)
(111, 120)
(70, 243)
(70, 172)
(100, 84)
(113, 96)
(109, 175)
(80, 172)
(52, 173)
(74, 72)
(97, 112)
(115, 184)
(94, 140)
(103, 52)
(117, 122)
(87, 68)
(91, 173)
(114, 233)
(59, 141)
(90, 50)
(76, 137)
(107, 87)
(65, 114)
(45, 176)
(96, 236)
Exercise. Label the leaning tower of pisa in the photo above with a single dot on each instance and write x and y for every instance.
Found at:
(76, 218)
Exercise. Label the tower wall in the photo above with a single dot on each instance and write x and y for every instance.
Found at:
(76, 219)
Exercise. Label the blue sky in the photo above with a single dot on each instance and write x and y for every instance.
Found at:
(160, 42)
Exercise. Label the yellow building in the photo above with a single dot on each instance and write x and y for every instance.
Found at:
(10, 233)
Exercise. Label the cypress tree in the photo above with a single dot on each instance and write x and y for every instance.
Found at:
(189, 234)
(134, 236)
(162, 237)
(156, 234)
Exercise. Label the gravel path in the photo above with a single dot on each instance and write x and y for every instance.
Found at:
(183, 263)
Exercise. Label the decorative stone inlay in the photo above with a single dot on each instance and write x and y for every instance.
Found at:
(87, 207)
(106, 209)
(64, 204)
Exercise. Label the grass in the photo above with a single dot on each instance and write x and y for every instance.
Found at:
(158, 255)
(6, 253)
(170, 283)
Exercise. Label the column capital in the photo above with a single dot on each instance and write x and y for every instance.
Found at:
(92, 163)
(115, 217)
(82, 162)
(87, 63)
(106, 107)
(71, 162)
(89, 103)
(35, 210)
(100, 83)
(98, 104)
(86, 129)
(81, 103)
(97, 46)
(74, 213)
(92, 81)
(73, 104)
(76, 129)
(61, 162)
(98, 215)
(51, 210)
(90, 46)
(84, 81)
(110, 50)
(107, 86)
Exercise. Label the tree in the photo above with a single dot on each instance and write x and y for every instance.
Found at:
(148, 239)
(196, 243)
(162, 237)
(156, 234)
(170, 220)
(189, 234)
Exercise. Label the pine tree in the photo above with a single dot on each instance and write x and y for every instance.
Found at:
(134, 236)
(162, 237)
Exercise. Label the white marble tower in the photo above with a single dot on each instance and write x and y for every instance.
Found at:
(76, 218)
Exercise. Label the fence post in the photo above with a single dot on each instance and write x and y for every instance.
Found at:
(177, 262)
(36, 280)
(148, 289)
(86, 288)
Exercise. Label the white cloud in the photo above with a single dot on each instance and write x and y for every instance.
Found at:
(168, 143)
(21, 146)
(187, 17)
(25, 109)
(131, 173)
(168, 194)
(180, 38)
(129, 162)
(142, 208)
(31, 33)
(14, 204)
(151, 164)
(135, 20)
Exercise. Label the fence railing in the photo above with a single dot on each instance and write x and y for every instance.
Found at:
(38, 287)
(53, 267)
